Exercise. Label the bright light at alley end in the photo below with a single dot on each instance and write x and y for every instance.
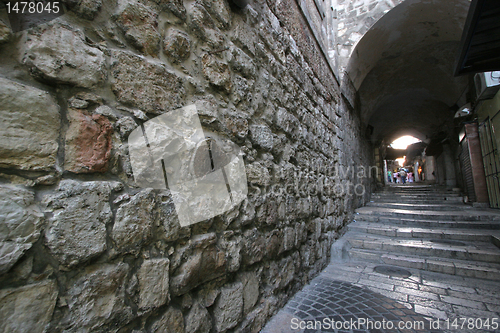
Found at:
(404, 141)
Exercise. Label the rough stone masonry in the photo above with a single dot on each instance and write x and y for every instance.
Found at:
(83, 248)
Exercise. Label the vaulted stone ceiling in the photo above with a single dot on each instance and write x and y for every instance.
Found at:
(403, 68)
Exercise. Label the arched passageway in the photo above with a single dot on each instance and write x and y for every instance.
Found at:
(403, 69)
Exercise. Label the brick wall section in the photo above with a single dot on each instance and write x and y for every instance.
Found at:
(84, 249)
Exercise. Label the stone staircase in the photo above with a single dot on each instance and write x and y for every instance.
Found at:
(428, 228)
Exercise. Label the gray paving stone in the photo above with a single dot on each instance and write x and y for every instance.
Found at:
(430, 303)
(435, 290)
(468, 312)
(463, 302)
(413, 292)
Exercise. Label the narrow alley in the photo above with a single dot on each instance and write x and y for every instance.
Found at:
(415, 254)
(238, 166)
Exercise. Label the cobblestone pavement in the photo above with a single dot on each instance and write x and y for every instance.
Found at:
(350, 290)
(334, 306)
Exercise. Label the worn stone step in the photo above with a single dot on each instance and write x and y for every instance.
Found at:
(415, 187)
(428, 229)
(412, 199)
(422, 202)
(419, 206)
(381, 213)
(410, 188)
(476, 251)
(429, 223)
(495, 239)
(411, 192)
(430, 195)
(458, 201)
(405, 189)
(479, 270)
(423, 199)
(391, 230)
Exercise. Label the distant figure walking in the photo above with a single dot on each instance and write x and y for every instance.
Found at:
(410, 177)
(389, 176)
(398, 178)
(402, 174)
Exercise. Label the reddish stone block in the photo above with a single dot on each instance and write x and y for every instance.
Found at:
(88, 142)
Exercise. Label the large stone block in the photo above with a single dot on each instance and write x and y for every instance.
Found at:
(237, 126)
(203, 26)
(232, 247)
(153, 283)
(253, 247)
(272, 276)
(139, 24)
(269, 211)
(261, 91)
(28, 308)
(125, 125)
(172, 321)
(242, 63)
(167, 218)
(250, 281)
(217, 72)
(274, 244)
(177, 45)
(243, 36)
(96, 301)
(208, 294)
(133, 222)
(176, 7)
(29, 127)
(286, 122)
(240, 90)
(87, 9)
(145, 84)
(307, 255)
(201, 261)
(58, 53)
(287, 271)
(229, 307)
(88, 142)
(262, 136)
(289, 238)
(258, 174)
(20, 224)
(198, 319)
(220, 11)
(77, 227)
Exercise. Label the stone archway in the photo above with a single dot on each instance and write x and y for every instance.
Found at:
(354, 19)
(402, 68)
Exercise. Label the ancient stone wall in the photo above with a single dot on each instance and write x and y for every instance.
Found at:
(84, 249)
